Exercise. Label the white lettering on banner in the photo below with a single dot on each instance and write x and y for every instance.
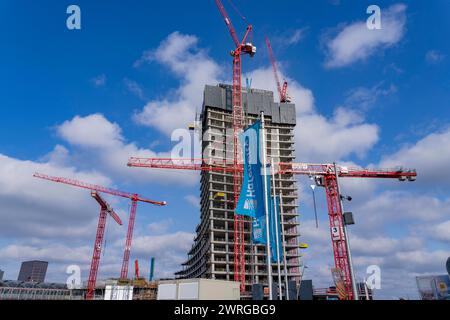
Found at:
(250, 204)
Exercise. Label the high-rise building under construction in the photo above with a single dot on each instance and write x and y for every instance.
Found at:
(212, 253)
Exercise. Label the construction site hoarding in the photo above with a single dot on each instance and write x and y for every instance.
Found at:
(198, 289)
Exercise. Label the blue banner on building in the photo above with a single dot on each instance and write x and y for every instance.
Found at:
(275, 223)
(259, 229)
(251, 199)
(259, 223)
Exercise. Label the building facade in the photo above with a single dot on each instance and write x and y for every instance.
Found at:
(33, 271)
(212, 253)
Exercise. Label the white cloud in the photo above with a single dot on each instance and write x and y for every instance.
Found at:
(168, 249)
(364, 98)
(91, 131)
(134, 87)
(160, 226)
(36, 208)
(326, 140)
(430, 156)
(193, 200)
(420, 261)
(342, 135)
(356, 42)
(296, 36)
(100, 142)
(440, 231)
(53, 252)
(397, 208)
(301, 96)
(400, 230)
(99, 81)
(58, 155)
(319, 138)
(434, 56)
(193, 67)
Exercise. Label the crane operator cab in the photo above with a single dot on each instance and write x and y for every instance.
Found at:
(249, 48)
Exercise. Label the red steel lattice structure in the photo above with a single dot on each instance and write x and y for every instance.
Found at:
(135, 198)
(282, 90)
(242, 47)
(330, 174)
(105, 209)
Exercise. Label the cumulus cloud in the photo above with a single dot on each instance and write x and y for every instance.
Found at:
(343, 134)
(434, 56)
(296, 36)
(54, 252)
(99, 81)
(91, 131)
(134, 87)
(328, 139)
(100, 141)
(193, 68)
(41, 208)
(169, 249)
(301, 96)
(399, 227)
(34, 209)
(430, 156)
(160, 226)
(440, 231)
(364, 98)
(355, 42)
(193, 200)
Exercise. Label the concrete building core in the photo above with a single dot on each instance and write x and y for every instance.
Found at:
(212, 253)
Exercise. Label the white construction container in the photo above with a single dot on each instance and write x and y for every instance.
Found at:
(198, 289)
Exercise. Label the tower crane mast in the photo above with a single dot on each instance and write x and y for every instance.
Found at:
(238, 122)
(282, 90)
(105, 209)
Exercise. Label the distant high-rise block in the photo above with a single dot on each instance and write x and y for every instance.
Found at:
(212, 253)
(306, 290)
(1, 274)
(33, 271)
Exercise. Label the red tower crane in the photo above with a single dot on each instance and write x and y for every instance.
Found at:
(242, 47)
(135, 198)
(327, 175)
(105, 209)
(282, 91)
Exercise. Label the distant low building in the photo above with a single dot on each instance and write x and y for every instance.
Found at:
(33, 271)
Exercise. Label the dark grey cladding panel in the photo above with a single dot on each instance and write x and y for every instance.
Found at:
(275, 111)
(254, 103)
(214, 97)
(287, 113)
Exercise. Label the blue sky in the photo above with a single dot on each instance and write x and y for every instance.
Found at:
(79, 103)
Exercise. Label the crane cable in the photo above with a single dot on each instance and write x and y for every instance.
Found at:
(105, 237)
(237, 10)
